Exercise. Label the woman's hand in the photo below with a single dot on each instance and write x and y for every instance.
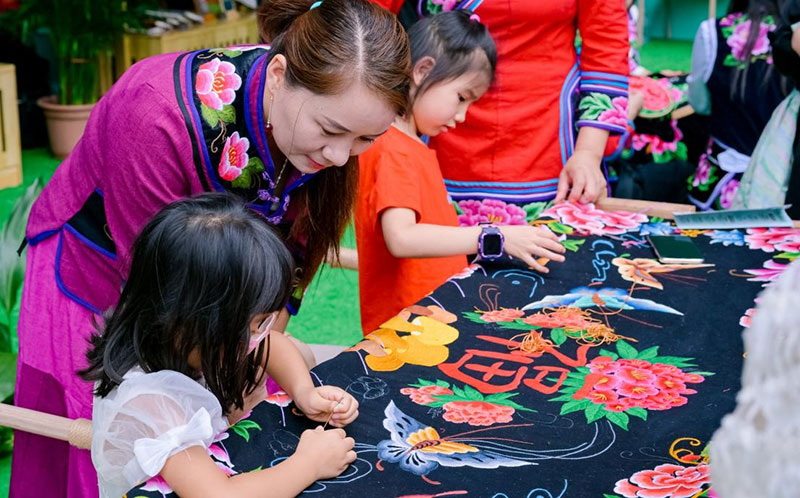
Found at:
(328, 402)
(582, 178)
(524, 241)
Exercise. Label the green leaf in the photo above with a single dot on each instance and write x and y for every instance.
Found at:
(618, 418)
(606, 495)
(648, 353)
(472, 393)
(674, 360)
(730, 60)
(255, 165)
(626, 350)
(656, 219)
(572, 244)
(211, 116)
(442, 383)
(564, 397)
(791, 256)
(517, 324)
(248, 424)
(605, 352)
(558, 336)
(230, 53)
(560, 228)
(457, 391)
(438, 404)
(637, 412)
(704, 374)
(595, 412)
(575, 405)
(583, 369)
(472, 316)
(244, 180)
(572, 382)
(242, 433)
(534, 209)
(228, 114)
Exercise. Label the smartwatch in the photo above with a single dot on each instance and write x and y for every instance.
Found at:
(490, 243)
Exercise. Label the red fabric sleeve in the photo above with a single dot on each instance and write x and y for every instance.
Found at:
(603, 26)
(392, 5)
(395, 185)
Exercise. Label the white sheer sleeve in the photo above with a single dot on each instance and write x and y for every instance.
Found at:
(146, 420)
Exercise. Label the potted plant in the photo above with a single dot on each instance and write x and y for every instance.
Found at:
(80, 32)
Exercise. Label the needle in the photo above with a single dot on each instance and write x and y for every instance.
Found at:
(331, 415)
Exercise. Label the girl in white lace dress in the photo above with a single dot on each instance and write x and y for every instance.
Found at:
(186, 351)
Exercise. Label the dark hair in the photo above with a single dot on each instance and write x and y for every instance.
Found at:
(756, 11)
(326, 49)
(455, 42)
(201, 269)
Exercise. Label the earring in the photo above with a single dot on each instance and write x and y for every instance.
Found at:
(268, 127)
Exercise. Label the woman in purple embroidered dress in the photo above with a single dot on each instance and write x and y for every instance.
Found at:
(279, 125)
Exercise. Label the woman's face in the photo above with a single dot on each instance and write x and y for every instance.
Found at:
(319, 131)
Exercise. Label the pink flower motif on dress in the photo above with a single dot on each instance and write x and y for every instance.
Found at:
(502, 315)
(665, 481)
(771, 272)
(729, 20)
(618, 115)
(772, 239)
(623, 384)
(477, 413)
(279, 398)
(658, 146)
(703, 171)
(425, 395)
(728, 193)
(738, 40)
(234, 157)
(588, 220)
(216, 83)
(490, 211)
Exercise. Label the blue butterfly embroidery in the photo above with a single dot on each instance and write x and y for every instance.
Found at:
(420, 450)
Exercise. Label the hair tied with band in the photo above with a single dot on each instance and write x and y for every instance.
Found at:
(473, 17)
(315, 5)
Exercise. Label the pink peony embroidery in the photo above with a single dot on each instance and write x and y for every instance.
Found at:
(665, 481)
(703, 171)
(623, 384)
(425, 395)
(588, 220)
(728, 193)
(772, 239)
(618, 115)
(502, 315)
(446, 4)
(477, 412)
(770, 273)
(658, 146)
(234, 157)
(738, 40)
(216, 83)
(490, 211)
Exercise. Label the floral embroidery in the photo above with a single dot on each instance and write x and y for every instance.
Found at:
(234, 157)
(705, 175)
(661, 150)
(770, 273)
(665, 481)
(280, 398)
(216, 83)
(736, 30)
(770, 239)
(464, 406)
(502, 315)
(157, 483)
(597, 106)
(586, 219)
(656, 228)
(726, 237)
(436, 6)
(627, 383)
(424, 345)
(728, 193)
(474, 212)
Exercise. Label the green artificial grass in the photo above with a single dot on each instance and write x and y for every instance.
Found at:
(658, 55)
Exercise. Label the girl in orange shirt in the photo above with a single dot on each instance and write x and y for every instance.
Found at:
(407, 232)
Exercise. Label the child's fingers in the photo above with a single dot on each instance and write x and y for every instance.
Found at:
(532, 263)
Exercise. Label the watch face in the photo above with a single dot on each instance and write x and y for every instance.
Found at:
(492, 244)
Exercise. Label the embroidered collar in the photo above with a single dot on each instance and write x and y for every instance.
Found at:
(221, 94)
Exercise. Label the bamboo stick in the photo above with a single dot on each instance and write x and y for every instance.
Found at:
(77, 432)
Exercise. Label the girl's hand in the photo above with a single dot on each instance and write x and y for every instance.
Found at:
(328, 453)
(582, 177)
(328, 402)
(524, 241)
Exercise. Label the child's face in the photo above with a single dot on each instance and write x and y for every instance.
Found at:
(319, 131)
(443, 105)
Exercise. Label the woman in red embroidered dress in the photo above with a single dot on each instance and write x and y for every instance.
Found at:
(541, 130)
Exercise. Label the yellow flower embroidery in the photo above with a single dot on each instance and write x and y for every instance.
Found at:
(423, 344)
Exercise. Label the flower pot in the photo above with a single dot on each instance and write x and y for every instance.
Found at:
(65, 124)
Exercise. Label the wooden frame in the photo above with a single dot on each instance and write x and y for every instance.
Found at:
(10, 148)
